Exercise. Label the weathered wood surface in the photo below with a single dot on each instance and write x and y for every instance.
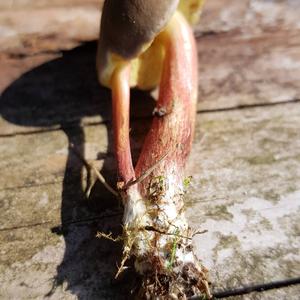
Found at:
(245, 161)
(234, 71)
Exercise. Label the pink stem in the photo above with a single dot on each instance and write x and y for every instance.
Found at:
(172, 129)
(121, 109)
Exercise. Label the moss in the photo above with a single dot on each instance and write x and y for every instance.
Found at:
(228, 241)
(291, 189)
(19, 246)
(219, 212)
(265, 159)
(272, 196)
(173, 250)
(265, 223)
(187, 182)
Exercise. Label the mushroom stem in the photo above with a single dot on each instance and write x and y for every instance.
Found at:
(121, 108)
(136, 34)
(156, 231)
(174, 116)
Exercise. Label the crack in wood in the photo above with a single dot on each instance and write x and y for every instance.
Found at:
(200, 111)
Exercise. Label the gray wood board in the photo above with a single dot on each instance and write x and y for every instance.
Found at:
(245, 191)
(233, 72)
(245, 160)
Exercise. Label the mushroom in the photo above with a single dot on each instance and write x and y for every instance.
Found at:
(144, 43)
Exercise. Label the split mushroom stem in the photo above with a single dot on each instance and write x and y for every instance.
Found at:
(174, 122)
(156, 232)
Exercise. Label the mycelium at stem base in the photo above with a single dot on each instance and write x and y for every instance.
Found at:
(156, 232)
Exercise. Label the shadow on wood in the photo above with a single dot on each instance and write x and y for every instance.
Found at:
(57, 95)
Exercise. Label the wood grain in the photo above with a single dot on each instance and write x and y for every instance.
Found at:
(245, 160)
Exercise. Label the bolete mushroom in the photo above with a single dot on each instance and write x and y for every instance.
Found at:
(144, 43)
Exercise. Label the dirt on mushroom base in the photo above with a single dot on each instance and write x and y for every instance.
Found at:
(156, 234)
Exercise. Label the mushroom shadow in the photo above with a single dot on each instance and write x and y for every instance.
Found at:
(59, 94)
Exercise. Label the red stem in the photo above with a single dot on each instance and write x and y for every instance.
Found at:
(121, 109)
(177, 99)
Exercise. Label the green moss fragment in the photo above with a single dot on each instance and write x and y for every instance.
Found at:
(173, 250)
(187, 182)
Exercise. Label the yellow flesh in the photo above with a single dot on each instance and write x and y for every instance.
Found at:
(147, 67)
(191, 9)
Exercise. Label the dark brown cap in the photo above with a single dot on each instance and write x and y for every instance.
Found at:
(128, 25)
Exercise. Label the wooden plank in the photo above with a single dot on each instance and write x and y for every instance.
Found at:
(32, 4)
(272, 134)
(249, 16)
(246, 181)
(253, 240)
(36, 29)
(21, 16)
(32, 257)
(234, 71)
(246, 55)
(39, 159)
(30, 206)
(36, 263)
(291, 293)
(245, 191)
(31, 160)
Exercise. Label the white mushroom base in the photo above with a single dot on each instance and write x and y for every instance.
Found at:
(157, 235)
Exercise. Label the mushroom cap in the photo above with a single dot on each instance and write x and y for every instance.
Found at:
(127, 26)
